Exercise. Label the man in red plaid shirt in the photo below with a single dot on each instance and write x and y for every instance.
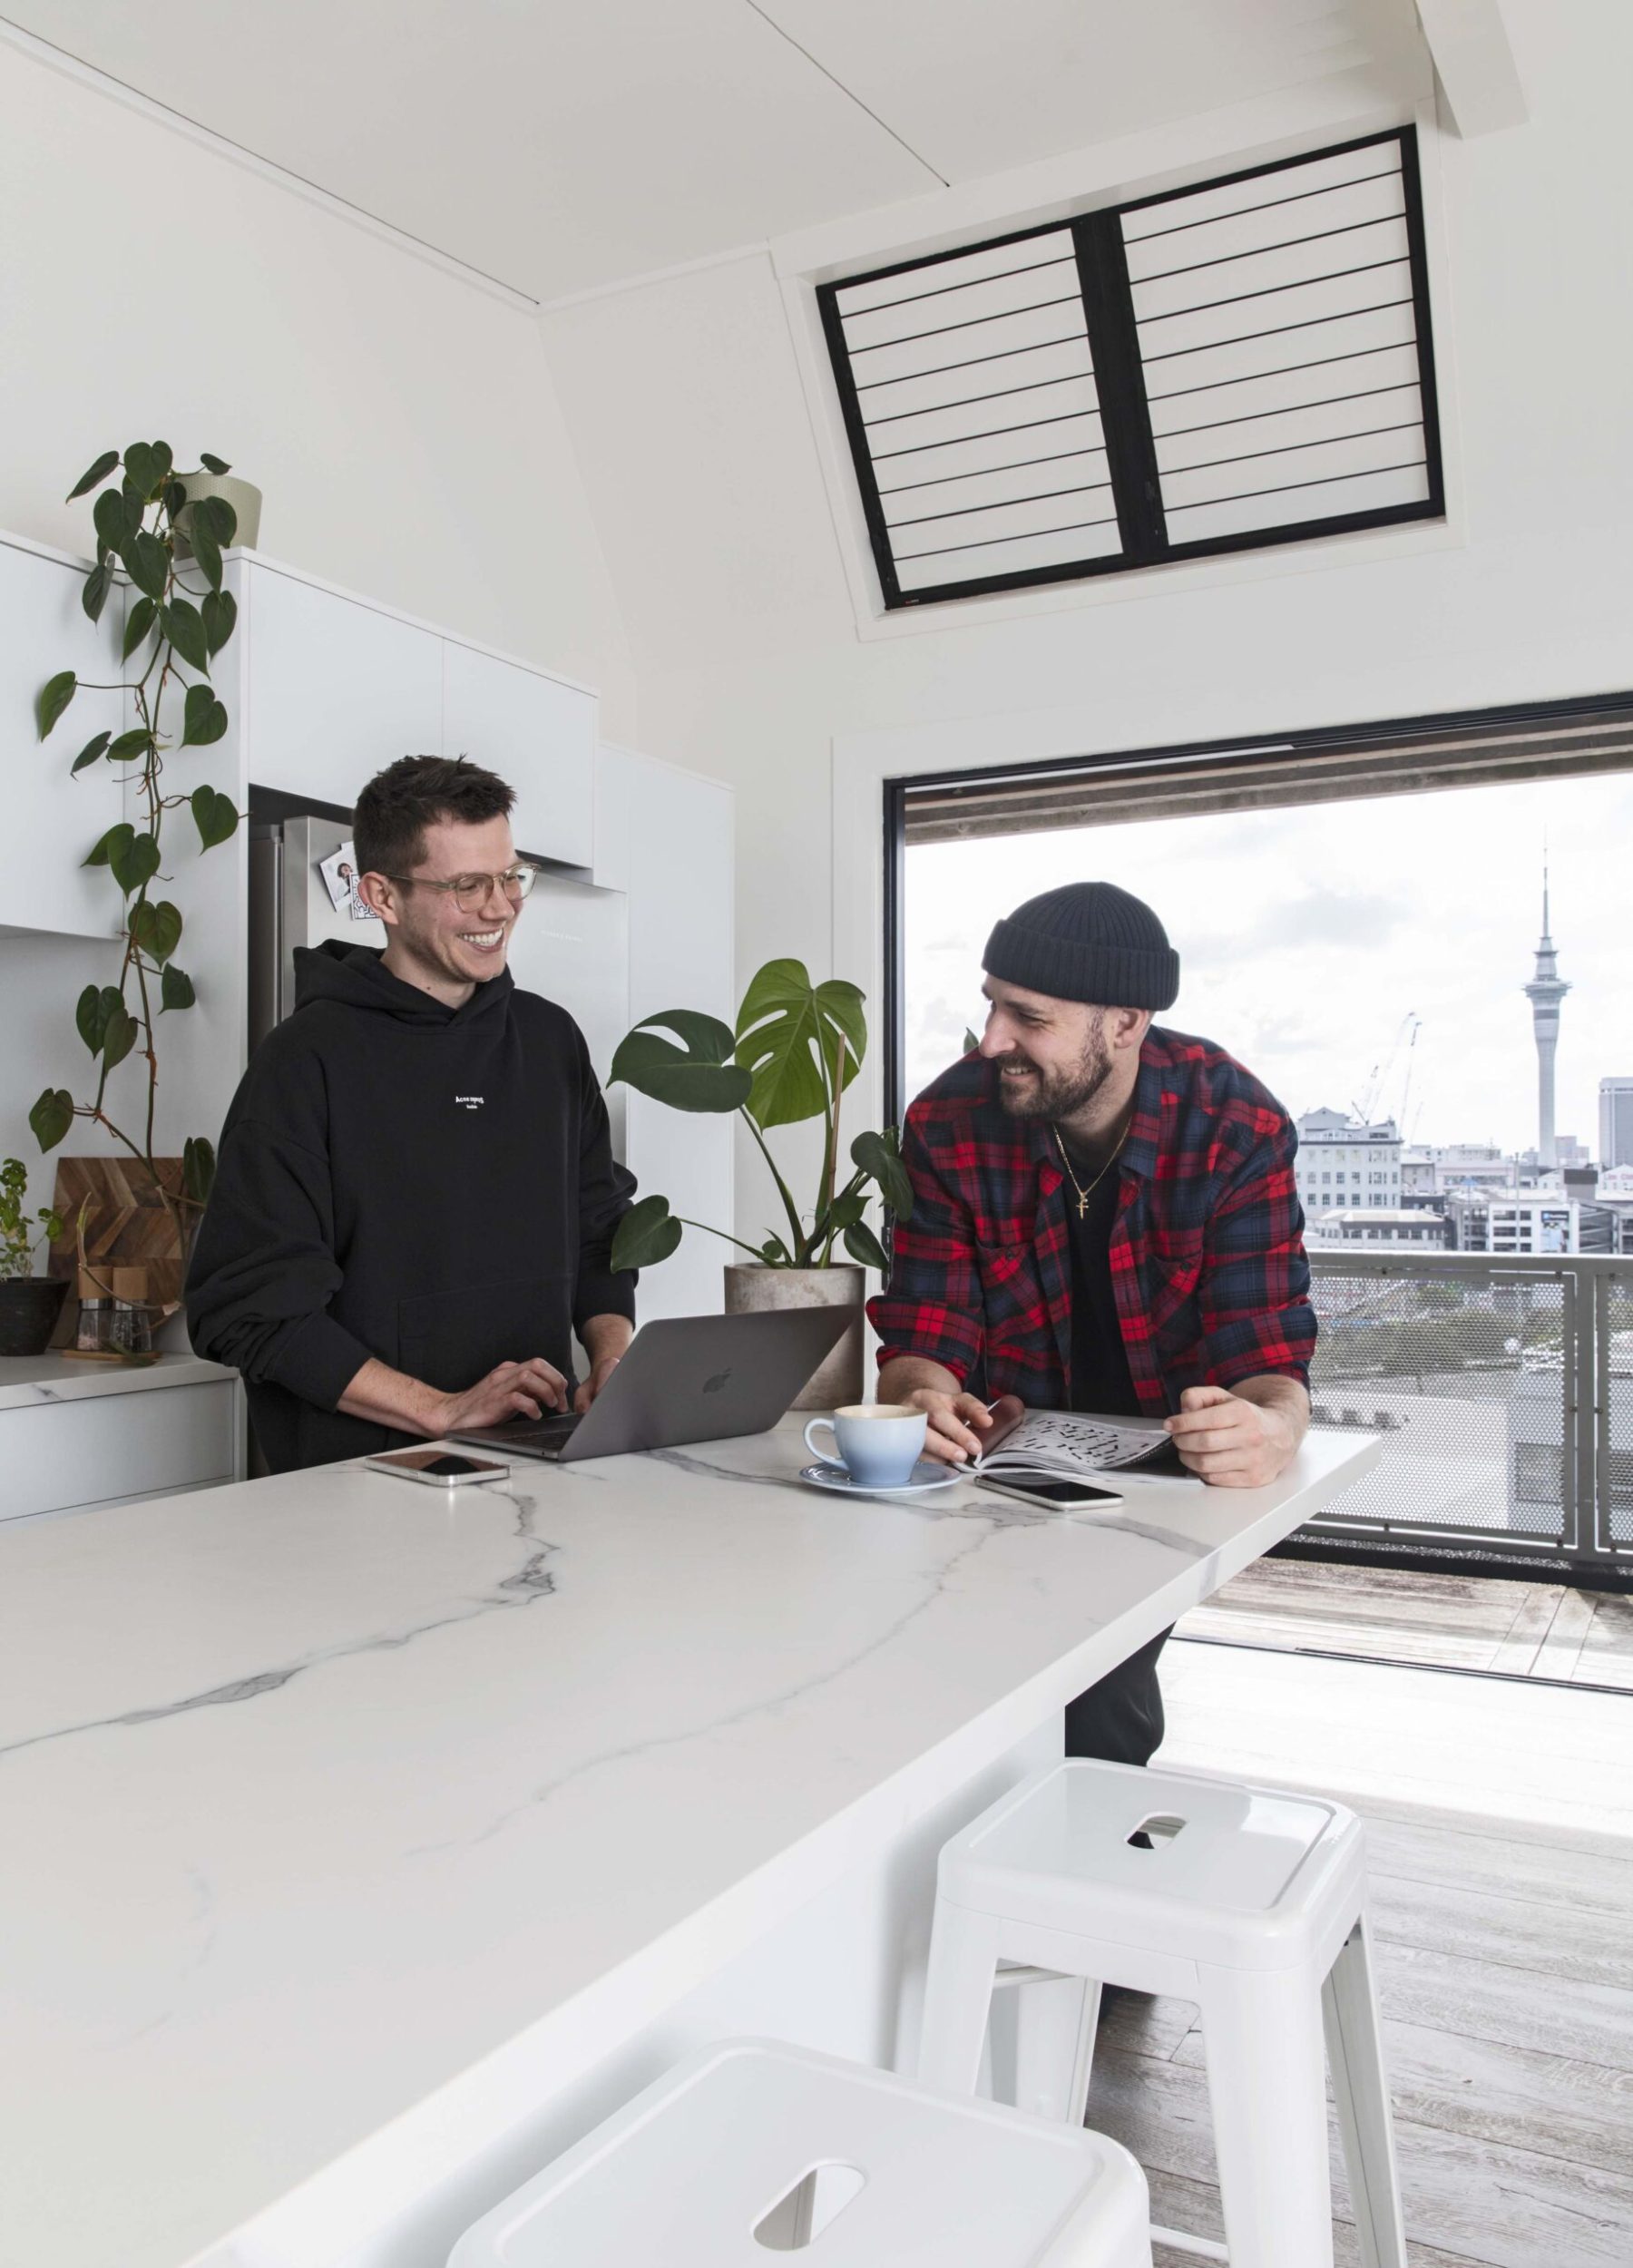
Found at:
(1105, 1219)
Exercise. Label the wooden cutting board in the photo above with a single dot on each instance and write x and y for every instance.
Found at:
(126, 1224)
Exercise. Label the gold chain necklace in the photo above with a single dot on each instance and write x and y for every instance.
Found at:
(1083, 1195)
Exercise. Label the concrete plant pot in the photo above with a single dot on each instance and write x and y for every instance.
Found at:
(243, 496)
(752, 1288)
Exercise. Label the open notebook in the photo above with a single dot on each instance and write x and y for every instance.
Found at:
(1075, 1445)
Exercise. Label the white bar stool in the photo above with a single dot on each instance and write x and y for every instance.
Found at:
(751, 2146)
(1249, 1902)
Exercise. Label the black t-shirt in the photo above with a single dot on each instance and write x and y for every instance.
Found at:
(1100, 1362)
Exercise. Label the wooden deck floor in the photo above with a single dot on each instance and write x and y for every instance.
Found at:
(1444, 1621)
(1501, 1827)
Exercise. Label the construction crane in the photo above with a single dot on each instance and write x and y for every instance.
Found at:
(1378, 1077)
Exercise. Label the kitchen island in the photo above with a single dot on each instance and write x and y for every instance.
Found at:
(363, 1846)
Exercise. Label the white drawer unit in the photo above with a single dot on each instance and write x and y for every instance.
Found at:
(103, 1447)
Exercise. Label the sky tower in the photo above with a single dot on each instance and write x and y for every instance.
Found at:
(1545, 992)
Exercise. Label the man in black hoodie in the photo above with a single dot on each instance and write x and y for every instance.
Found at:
(417, 1196)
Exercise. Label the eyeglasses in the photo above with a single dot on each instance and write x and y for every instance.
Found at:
(471, 891)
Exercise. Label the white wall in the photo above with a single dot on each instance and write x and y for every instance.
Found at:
(685, 405)
(400, 421)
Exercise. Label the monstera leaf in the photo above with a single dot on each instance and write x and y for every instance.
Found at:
(697, 1075)
(783, 1021)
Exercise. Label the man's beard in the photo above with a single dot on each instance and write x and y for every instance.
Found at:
(1059, 1094)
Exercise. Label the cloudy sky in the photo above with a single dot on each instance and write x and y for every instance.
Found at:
(1308, 938)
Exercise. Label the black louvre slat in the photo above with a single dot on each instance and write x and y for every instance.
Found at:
(1117, 420)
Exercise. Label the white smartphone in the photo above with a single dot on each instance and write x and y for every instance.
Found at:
(1052, 1496)
(438, 1468)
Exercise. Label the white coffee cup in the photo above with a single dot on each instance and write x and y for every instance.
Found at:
(879, 1443)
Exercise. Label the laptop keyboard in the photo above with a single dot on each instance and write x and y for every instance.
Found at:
(546, 1432)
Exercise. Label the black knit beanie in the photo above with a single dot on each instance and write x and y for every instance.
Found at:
(1088, 940)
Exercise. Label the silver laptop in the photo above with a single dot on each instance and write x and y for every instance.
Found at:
(698, 1378)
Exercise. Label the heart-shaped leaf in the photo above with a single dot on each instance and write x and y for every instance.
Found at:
(93, 596)
(176, 988)
(94, 1006)
(156, 928)
(878, 1155)
(206, 551)
(219, 612)
(96, 476)
(138, 623)
(217, 516)
(54, 697)
(203, 719)
(697, 1075)
(175, 497)
(214, 464)
(147, 563)
(52, 1116)
(120, 1037)
(862, 1245)
(130, 745)
(135, 862)
(91, 750)
(648, 1233)
(163, 460)
(143, 470)
(113, 520)
(214, 815)
(117, 840)
(198, 1167)
(184, 627)
(782, 1023)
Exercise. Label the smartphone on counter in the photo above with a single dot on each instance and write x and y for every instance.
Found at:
(1051, 1496)
(439, 1468)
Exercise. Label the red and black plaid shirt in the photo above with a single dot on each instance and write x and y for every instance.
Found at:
(1206, 1247)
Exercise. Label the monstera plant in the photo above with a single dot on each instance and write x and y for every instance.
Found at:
(796, 1049)
(172, 625)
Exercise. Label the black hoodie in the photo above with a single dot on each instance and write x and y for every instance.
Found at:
(434, 1185)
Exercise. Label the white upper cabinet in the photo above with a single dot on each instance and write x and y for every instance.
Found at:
(537, 733)
(51, 816)
(336, 690)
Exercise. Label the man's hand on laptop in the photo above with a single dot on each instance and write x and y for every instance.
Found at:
(512, 1389)
(606, 1342)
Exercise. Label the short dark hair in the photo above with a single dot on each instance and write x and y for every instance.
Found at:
(388, 826)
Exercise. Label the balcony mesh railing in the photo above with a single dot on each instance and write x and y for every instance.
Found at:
(1502, 1391)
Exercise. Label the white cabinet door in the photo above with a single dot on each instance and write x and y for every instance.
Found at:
(51, 816)
(535, 732)
(337, 691)
(667, 837)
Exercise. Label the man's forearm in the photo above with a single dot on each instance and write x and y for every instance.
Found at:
(606, 1337)
(907, 1373)
(1284, 1395)
(390, 1397)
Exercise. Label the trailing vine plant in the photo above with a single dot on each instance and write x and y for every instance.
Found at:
(171, 625)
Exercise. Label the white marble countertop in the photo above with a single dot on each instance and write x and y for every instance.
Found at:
(333, 1806)
(26, 1380)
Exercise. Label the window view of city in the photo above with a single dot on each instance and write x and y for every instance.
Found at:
(1436, 987)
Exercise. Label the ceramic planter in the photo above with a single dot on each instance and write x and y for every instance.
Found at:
(752, 1288)
(29, 1308)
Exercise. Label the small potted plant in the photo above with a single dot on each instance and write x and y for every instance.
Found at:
(29, 1303)
(795, 1048)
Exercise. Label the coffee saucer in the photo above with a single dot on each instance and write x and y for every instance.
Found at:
(928, 1475)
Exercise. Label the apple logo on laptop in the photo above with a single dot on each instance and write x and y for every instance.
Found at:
(720, 1378)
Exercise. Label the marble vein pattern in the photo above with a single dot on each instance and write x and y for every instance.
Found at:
(322, 1792)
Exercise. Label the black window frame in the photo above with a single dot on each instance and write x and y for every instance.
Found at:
(1114, 348)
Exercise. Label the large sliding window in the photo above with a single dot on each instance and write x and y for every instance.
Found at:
(1243, 363)
(1358, 913)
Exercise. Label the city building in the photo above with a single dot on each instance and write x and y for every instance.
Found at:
(1546, 989)
(1409, 1225)
(1615, 1122)
(1528, 1221)
(1346, 1166)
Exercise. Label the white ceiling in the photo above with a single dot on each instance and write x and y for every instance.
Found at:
(558, 148)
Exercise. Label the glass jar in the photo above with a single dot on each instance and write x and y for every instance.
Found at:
(94, 1334)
